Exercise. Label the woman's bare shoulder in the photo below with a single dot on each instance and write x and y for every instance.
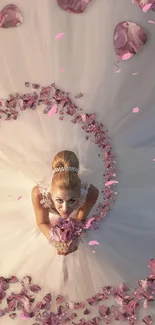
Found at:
(35, 192)
(36, 195)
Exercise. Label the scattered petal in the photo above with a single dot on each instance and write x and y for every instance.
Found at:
(73, 6)
(62, 70)
(59, 36)
(145, 5)
(10, 16)
(117, 71)
(20, 197)
(128, 39)
(127, 56)
(83, 117)
(151, 22)
(135, 73)
(53, 110)
(88, 224)
(22, 316)
(35, 288)
(93, 242)
(147, 320)
(111, 182)
(79, 95)
(135, 109)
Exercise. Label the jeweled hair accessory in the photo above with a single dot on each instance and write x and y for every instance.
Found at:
(62, 169)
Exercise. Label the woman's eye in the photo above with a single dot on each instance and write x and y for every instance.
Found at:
(59, 201)
(72, 201)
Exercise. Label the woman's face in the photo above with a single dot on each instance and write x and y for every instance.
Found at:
(65, 201)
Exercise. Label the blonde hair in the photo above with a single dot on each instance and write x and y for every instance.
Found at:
(66, 180)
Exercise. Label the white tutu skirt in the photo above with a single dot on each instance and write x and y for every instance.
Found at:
(124, 241)
(82, 61)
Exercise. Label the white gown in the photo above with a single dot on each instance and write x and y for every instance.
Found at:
(82, 61)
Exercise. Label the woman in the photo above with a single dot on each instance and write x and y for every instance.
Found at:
(68, 197)
(56, 46)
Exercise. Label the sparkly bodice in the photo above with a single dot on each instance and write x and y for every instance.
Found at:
(46, 200)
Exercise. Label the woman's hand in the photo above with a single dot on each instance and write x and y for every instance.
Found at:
(60, 252)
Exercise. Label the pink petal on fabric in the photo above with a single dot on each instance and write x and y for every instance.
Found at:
(135, 109)
(20, 197)
(153, 159)
(117, 71)
(73, 6)
(62, 70)
(35, 288)
(79, 95)
(10, 16)
(151, 265)
(59, 36)
(145, 5)
(128, 38)
(94, 252)
(22, 316)
(147, 320)
(84, 117)
(53, 110)
(151, 22)
(111, 182)
(93, 242)
(127, 56)
(135, 73)
(88, 224)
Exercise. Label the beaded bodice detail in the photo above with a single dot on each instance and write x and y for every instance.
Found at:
(46, 200)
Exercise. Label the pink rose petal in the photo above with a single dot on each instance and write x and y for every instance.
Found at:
(53, 110)
(117, 71)
(151, 22)
(111, 182)
(89, 223)
(59, 36)
(127, 56)
(135, 109)
(20, 197)
(22, 316)
(147, 7)
(135, 73)
(62, 70)
(10, 16)
(128, 39)
(83, 117)
(93, 242)
(153, 159)
(73, 6)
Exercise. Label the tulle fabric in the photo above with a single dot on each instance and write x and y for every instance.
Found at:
(127, 235)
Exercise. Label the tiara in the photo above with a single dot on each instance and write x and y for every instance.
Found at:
(62, 169)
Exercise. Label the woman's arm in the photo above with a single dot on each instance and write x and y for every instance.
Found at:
(42, 214)
(91, 199)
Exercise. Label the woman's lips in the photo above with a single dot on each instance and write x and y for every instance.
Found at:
(65, 214)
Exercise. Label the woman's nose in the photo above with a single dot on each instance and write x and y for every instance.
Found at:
(65, 207)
